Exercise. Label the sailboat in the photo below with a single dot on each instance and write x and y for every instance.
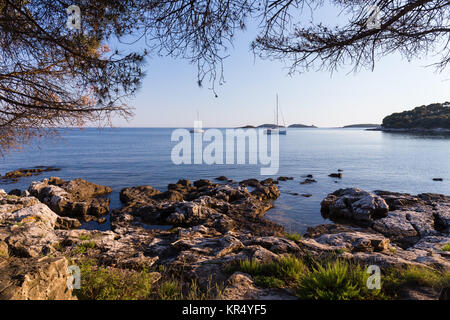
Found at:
(277, 129)
(197, 129)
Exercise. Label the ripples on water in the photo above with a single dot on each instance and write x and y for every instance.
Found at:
(371, 160)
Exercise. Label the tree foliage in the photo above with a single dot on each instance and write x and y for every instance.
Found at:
(436, 115)
(51, 76)
(413, 28)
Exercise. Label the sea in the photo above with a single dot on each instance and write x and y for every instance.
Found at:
(125, 157)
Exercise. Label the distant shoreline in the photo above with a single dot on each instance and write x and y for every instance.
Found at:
(419, 130)
(362, 125)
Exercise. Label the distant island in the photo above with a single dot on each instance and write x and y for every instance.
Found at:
(272, 125)
(265, 125)
(298, 125)
(269, 125)
(362, 125)
(433, 117)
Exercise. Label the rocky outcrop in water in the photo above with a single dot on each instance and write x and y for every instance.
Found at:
(416, 227)
(354, 204)
(13, 176)
(76, 198)
(223, 207)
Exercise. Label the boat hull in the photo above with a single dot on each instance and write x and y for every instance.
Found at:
(275, 131)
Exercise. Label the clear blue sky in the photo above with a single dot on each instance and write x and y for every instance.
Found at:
(169, 96)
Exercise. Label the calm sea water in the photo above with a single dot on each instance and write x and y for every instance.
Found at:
(371, 160)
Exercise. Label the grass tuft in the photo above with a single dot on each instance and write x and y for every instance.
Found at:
(414, 276)
(105, 283)
(336, 280)
(83, 247)
(285, 270)
(100, 283)
(333, 280)
(85, 237)
(294, 236)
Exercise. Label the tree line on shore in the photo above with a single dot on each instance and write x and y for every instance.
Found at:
(435, 115)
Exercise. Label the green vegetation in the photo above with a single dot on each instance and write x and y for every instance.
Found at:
(446, 247)
(170, 290)
(414, 276)
(105, 283)
(269, 282)
(298, 125)
(58, 246)
(294, 236)
(174, 289)
(335, 279)
(100, 283)
(330, 279)
(435, 115)
(85, 237)
(4, 252)
(83, 248)
(284, 272)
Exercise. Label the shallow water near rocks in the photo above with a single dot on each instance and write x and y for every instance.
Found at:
(370, 160)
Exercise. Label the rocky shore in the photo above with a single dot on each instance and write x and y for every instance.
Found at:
(210, 228)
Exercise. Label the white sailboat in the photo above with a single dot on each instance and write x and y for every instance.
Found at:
(277, 130)
(197, 126)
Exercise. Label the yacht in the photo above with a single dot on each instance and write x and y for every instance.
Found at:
(277, 130)
(197, 129)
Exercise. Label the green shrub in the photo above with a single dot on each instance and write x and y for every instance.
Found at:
(211, 293)
(446, 247)
(414, 276)
(269, 282)
(173, 289)
(85, 237)
(83, 247)
(287, 269)
(170, 290)
(294, 236)
(100, 283)
(252, 267)
(290, 268)
(337, 280)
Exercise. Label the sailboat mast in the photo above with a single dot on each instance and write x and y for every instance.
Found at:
(277, 110)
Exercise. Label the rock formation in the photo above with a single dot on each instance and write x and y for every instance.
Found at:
(209, 226)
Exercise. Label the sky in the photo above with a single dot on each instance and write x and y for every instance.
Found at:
(170, 96)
